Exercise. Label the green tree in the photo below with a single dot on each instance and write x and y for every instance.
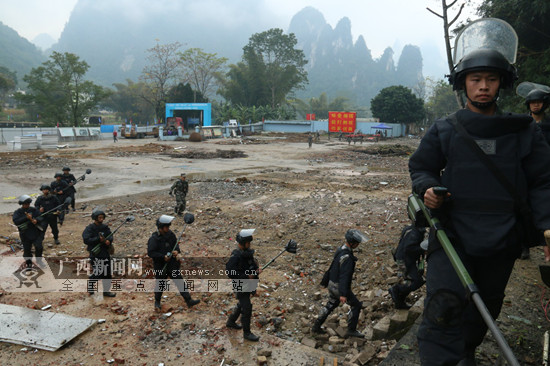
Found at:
(531, 21)
(57, 90)
(441, 101)
(202, 70)
(397, 104)
(160, 74)
(271, 69)
(8, 81)
(128, 104)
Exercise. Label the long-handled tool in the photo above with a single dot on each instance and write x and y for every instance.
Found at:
(188, 218)
(290, 247)
(420, 214)
(82, 177)
(97, 248)
(62, 206)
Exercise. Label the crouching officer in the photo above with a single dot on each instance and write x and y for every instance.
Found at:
(163, 248)
(242, 266)
(70, 190)
(25, 218)
(45, 203)
(409, 257)
(97, 236)
(339, 284)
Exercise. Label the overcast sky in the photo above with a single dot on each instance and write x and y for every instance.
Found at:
(382, 23)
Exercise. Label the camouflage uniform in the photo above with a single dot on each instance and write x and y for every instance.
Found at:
(180, 187)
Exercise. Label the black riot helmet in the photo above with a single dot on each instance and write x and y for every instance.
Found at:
(66, 168)
(354, 236)
(24, 199)
(58, 174)
(537, 95)
(97, 213)
(245, 236)
(45, 186)
(164, 220)
(484, 59)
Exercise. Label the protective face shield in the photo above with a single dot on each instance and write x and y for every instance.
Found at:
(354, 236)
(97, 213)
(534, 92)
(45, 186)
(164, 220)
(487, 44)
(244, 236)
(24, 199)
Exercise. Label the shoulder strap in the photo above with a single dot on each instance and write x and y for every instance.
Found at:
(489, 164)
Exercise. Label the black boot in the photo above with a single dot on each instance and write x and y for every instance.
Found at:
(157, 305)
(188, 300)
(317, 327)
(108, 294)
(398, 300)
(231, 320)
(251, 337)
(354, 333)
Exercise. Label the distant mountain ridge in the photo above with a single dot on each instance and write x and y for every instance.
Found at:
(18, 54)
(112, 37)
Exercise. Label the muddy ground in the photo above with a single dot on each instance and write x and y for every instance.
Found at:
(273, 183)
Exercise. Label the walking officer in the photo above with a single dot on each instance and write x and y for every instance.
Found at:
(45, 203)
(180, 187)
(97, 236)
(70, 180)
(340, 275)
(59, 188)
(409, 257)
(163, 248)
(481, 216)
(242, 266)
(30, 234)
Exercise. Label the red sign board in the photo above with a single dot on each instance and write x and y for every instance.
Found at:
(342, 121)
(310, 117)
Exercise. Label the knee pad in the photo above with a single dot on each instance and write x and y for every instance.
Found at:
(445, 309)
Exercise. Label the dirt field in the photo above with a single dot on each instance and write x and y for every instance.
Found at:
(273, 183)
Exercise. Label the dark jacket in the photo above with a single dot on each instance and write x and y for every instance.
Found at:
(91, 239)
(28, 232)
(409, 248)
(341, 270)
(480, 215)
(69, 178)
(60, 186)
(48, 203)
(241, 264)
(160, 245)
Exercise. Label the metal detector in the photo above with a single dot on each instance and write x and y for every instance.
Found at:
(290, 247)
(128, 219)
(83, 176)
(188, 218)
(420, 215)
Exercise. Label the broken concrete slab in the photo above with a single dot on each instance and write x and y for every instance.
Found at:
(35, 328)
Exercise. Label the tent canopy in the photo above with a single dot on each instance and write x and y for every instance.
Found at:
(382, 126)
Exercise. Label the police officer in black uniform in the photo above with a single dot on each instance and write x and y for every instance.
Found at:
(59, 188)
(537, 101)
(70, 180)
(97, 236)
(409, 257)
(339, 285)
(242, 266)
(163, 248)
(30, 234)
(479, 215)
(45, 203)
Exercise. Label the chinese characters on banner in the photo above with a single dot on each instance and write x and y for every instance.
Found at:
(342, 121)
(310, 117)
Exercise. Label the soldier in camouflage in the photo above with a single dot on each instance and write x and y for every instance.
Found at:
(180, 187)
